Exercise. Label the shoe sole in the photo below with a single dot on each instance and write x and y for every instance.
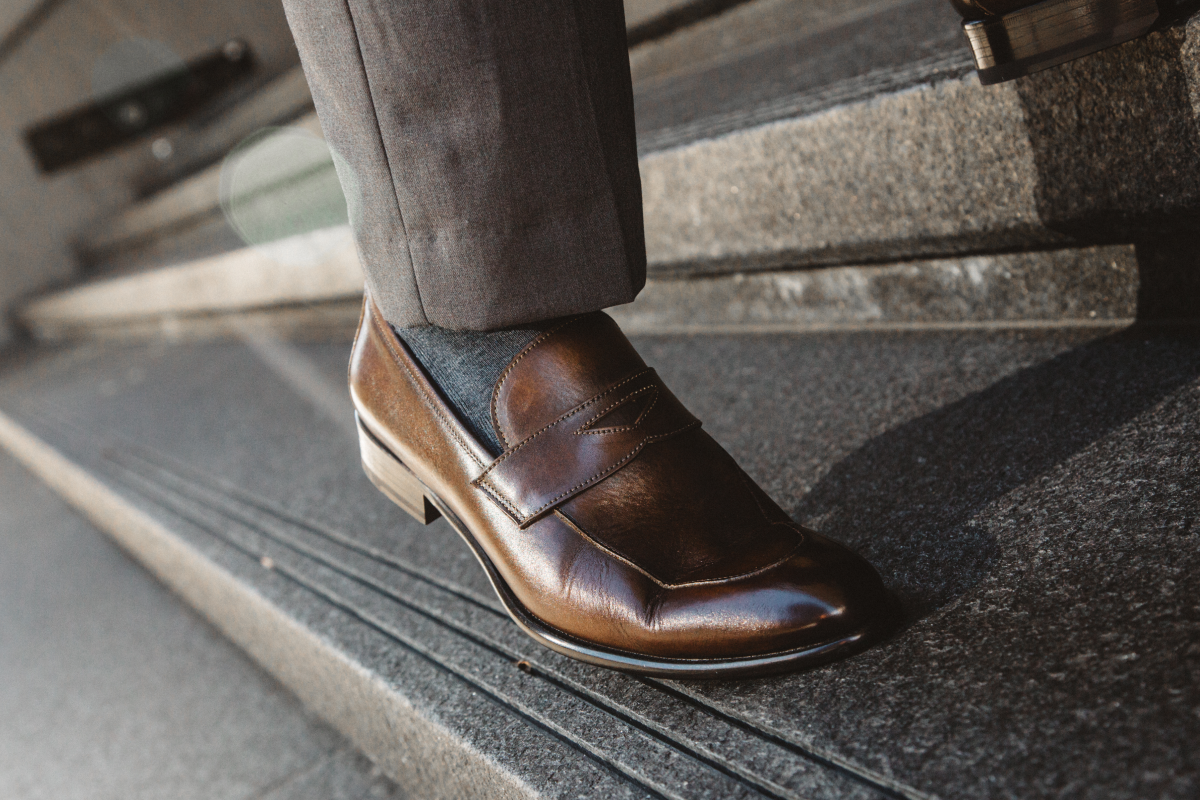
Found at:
(400, 485)
(1052, 32)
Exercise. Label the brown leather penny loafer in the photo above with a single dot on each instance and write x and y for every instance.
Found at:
(612, 527)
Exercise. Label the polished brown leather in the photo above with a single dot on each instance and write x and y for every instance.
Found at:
(547, 466)
(612, 516)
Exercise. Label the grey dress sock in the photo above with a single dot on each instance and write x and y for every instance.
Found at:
(465, 366)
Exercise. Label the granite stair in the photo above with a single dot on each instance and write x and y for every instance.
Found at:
(953, 326)
(1028, 494)
(777, 137)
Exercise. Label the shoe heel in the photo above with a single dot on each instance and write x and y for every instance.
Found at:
(394, 479)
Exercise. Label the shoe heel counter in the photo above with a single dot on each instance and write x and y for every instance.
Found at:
(368, 361)
(395, 480)
(362, 318)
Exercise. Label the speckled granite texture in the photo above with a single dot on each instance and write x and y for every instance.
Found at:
(1081, 285)
(1030, 496)
(1116, 138)
(111, 688)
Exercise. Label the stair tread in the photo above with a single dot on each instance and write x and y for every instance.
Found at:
(879, 47)
(107, 680)
(1027, 494)
(210, 297)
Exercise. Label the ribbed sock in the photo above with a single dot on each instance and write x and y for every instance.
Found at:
(465, 366)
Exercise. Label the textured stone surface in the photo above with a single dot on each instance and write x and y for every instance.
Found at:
(639, 13)
(900, 176)
(314, 322)
(1102, 149)
(195, 202)
(1056, 287)
(1169, 278)
(111, 688)
(443, 706)
(1028, 495)
(320, 265)
(1116, 138)
(750, 26)
(1089, 285)
(344, 775)
(1044, 531)
(809, 61)
(859, 135)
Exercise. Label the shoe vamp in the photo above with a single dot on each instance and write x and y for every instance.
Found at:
(684, 512)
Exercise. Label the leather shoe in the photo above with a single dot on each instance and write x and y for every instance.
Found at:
(613, 528)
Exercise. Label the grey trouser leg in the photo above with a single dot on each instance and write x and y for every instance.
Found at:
(487, 151)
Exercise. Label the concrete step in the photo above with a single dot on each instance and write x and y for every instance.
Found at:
(653, 19)
(898, 177)
(871, 144)
(222, 295)
(111, 687)
(307, 279)
(850, 135)
(1028, 495)
(55, 58)
(185, 221)
(310, 287)
(208, 139)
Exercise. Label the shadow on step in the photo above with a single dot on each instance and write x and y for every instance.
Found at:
(908, 499)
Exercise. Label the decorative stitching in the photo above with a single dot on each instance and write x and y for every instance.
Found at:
(658, 437)
(508, 453)
(583, 431)
(522, 519)
(512, 510)
(384, 334)
(509, 368)
(510, 506)
(588, 482)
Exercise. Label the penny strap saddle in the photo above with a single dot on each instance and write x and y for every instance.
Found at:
(583, 446)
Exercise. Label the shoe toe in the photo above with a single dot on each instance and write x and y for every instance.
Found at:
(822, 595)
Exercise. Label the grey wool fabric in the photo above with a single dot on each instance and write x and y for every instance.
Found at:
(487, 151)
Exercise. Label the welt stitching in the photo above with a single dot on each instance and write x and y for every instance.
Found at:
(618, 404)
(512, 364)
(567, 415)
(420, 389)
